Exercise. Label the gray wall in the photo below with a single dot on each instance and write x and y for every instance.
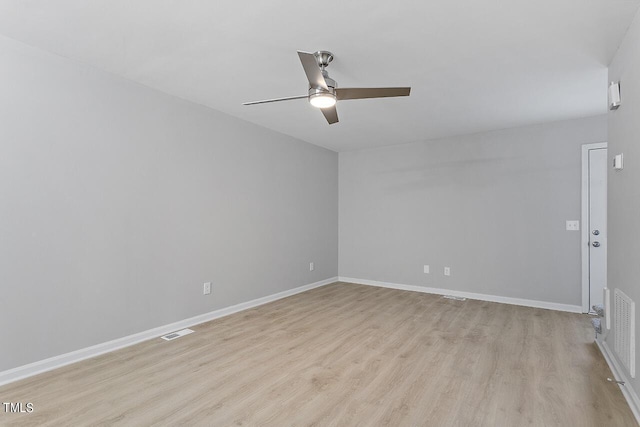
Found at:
(624, 186)
(491, 206)
(117, 202)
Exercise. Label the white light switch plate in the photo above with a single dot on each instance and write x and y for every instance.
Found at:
(573, 225)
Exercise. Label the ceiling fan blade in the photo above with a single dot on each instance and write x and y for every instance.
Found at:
(370, 92)
(275, 100)
(331, 114)
(312, 70)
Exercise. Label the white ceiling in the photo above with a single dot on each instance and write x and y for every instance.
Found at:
(473, 65)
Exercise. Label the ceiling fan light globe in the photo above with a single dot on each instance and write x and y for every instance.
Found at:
(322, 100)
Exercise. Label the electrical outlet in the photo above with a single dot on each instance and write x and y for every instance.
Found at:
(206, 289)
(426, 269)
(573, 225)
(311, 266)
(447, 271)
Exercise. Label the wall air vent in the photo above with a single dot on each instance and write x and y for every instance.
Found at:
(174, 335)
(625, 335)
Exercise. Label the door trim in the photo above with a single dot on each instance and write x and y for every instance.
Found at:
(585, 221)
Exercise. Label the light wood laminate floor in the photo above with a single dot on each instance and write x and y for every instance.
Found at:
(344, 355)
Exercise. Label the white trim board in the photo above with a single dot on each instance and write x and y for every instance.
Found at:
(584, 220)
(55, 362)
(470, 295)
(618, 374)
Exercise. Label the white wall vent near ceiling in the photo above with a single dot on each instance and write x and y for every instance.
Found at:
(174, 335)
(625, 334)
(614, 95)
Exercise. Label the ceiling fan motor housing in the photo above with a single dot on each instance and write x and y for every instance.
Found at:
(322, 98)
(319, 92)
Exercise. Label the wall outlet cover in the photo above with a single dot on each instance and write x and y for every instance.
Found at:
(573, 225)
(206, 288)
(426, 269)
(447, 271)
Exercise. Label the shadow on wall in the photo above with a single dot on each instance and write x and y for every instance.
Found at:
(471, 174)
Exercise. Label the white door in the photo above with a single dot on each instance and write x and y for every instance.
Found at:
(597, 226)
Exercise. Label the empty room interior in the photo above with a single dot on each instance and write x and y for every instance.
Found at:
(348, 213)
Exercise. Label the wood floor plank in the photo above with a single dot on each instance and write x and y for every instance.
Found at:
(339, 355)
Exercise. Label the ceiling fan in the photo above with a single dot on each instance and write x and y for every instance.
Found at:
(324, 91)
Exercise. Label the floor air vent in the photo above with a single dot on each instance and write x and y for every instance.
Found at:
(625, 334)
(174, 335)
(454, 297)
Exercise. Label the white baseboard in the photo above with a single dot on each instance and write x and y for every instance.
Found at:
(469, 295)
(619, 375)
(55, 362)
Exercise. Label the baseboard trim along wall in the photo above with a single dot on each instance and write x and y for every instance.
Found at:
(469, 295)
(618, 374)
(55, 362)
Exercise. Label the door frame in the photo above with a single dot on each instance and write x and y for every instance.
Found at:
(585, 221)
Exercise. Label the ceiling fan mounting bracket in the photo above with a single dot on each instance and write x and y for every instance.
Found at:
(323, 57)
